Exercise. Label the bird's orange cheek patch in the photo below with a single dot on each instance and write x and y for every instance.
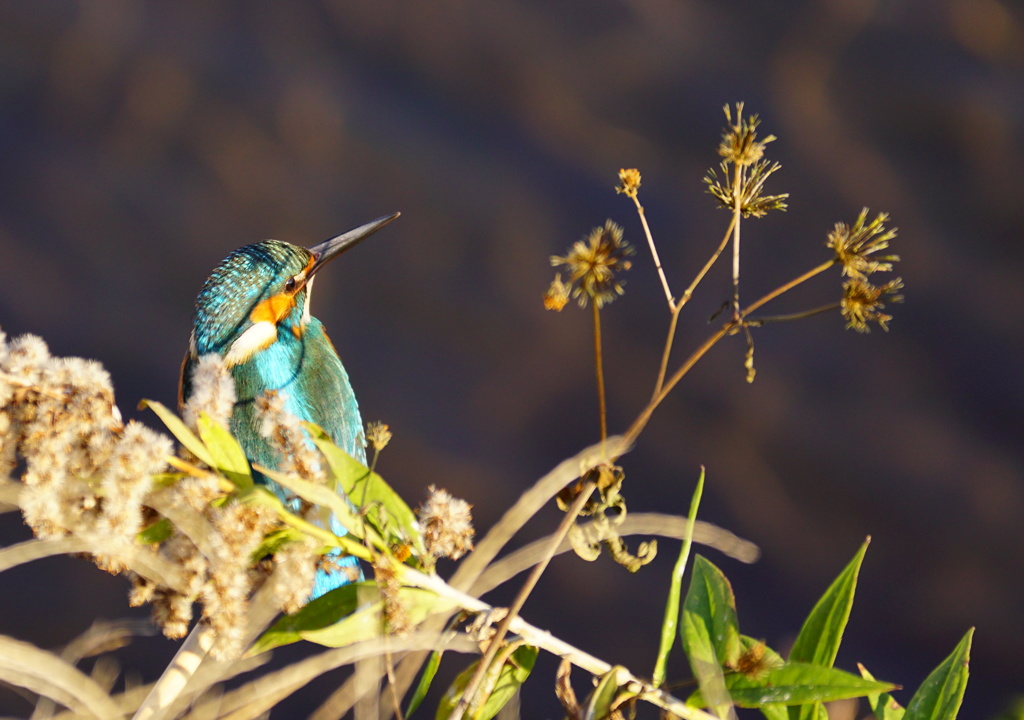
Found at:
(273, 309)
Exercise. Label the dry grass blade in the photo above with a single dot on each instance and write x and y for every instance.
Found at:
(258, 696)
(24, 665)
(672, 526)
(143, 562)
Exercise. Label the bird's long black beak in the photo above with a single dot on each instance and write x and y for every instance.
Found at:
(329, 249)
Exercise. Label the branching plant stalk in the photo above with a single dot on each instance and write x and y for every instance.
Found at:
(740, 318)
(513, 611)
(670, 338)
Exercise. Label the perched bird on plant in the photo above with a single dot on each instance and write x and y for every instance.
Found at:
(254, 312)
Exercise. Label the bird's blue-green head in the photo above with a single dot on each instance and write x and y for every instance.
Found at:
(261, 291)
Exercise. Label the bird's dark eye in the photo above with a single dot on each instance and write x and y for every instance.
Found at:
(290, 285)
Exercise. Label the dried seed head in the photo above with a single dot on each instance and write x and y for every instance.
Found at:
(593, 263)
(447, 524)
(855, 246)
(862, 303)
(629, 182)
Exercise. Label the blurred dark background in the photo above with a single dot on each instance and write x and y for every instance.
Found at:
(141, 142)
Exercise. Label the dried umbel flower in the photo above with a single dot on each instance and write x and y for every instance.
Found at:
(593, 263)
(740, 145)
(862, 303)
(629, 182)
(447, 524)
(856, 246)
(378, 435)
(557, 295)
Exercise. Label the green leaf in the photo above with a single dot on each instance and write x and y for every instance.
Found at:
(426, 678)
(941, 693)
(155, 533)
(180, 430)
(822, 631)
(384, 509)
(321, 496)
(710, 631)
(795, 684)
(227, 455)
(883, 706)
(511, 675)
(670, 623)
(323, 612)
(365, 624)
(608, 696)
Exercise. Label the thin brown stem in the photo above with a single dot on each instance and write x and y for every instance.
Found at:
(707, 266)
(645, 415)
(786, 287)
(599, 370)
(654, 254)
(669, 339)
(513, 611)
(758, 322)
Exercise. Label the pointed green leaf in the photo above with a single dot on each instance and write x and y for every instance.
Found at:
(321, 496)
(710, 631)
(385, 509)
(711, 604)
(512, 674)
(426, 678)
(883, 706)
(609, 695)
(796, 684)
(155, 533)
(228, 457)
(940, 695)
(180, 430)
(774, 712)
(365, 624)
(822, 631)
(323, 612)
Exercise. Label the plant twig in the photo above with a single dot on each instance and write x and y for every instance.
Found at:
(599, 370)
(520, 600)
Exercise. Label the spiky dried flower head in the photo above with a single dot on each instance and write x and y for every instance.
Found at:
(751, 198)
(447, 524)
(557, 295)
(593, 263)
(629, 182)
(213, 392)
(740, 145)
(378, 435)
(862, 302)
(855, 246)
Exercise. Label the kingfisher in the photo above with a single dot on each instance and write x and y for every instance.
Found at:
(254, 312)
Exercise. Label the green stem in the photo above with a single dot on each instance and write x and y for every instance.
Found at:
(671, 622)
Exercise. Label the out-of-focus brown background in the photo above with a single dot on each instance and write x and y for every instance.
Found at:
(141, 142)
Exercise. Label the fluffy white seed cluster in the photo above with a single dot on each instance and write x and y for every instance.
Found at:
(85, 473)
(88, 475)
(447, 524)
